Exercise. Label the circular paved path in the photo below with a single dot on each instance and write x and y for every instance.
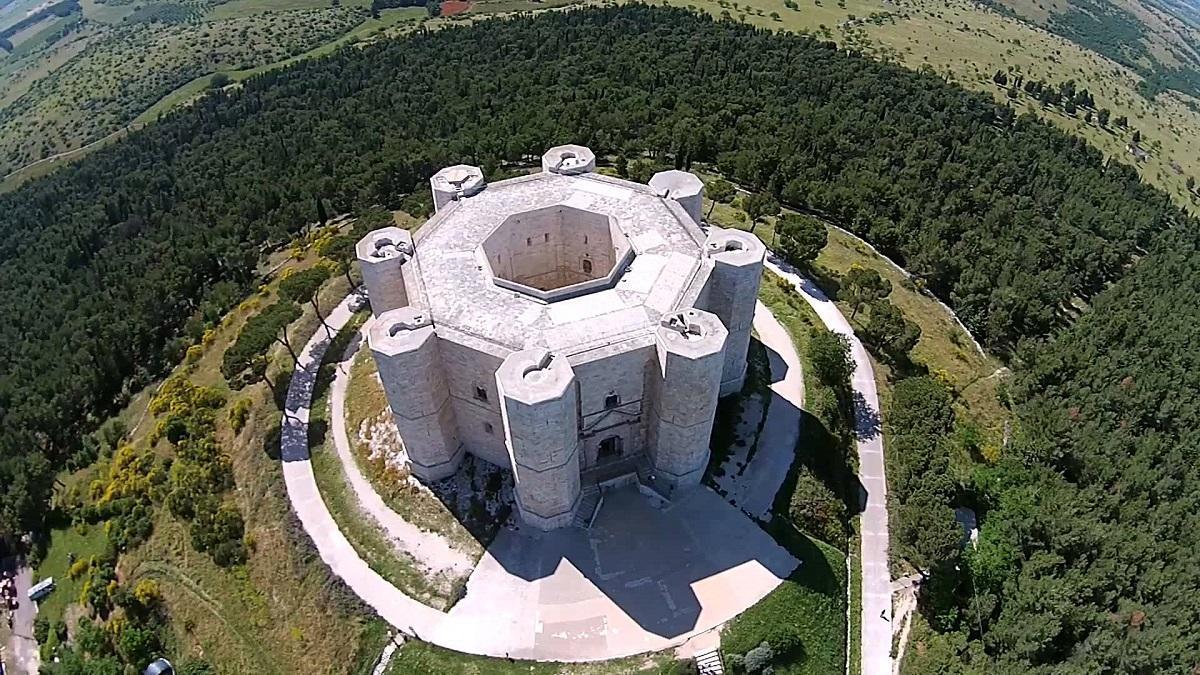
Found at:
(646, 577)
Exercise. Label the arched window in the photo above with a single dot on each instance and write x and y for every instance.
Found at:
(587, 266)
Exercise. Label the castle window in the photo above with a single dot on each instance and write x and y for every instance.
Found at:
(587, 266)
(529, 241)
(546, 237)
(487, 428)
(481, 394)
(585, 240)
(612, 401)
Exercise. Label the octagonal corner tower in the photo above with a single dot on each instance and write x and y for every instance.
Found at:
(382, 255)
(538, 403)
(561, 325)
(568, 160)
(690, 346)
(405, 349)
(731, 294)
(685, 188)
(454, 183)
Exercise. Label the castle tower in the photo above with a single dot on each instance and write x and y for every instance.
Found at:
(732, 293)
(541, 427)
(690, 346)
(455, 182)
(382, 255)
(569, 160)
(405, 347)
(683, 187)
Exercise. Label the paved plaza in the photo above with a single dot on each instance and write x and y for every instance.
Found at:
(645, 577)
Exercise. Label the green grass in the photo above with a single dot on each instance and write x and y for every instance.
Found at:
(854, 593)
(281, 611)
(810, 605)
(63, 543)
(421, 657)
(944, 348)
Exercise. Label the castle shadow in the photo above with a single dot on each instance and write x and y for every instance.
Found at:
(648, 560)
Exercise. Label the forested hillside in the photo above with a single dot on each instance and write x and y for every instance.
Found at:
(1013, 223)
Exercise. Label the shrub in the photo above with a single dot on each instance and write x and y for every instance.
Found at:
(79, 568)
(758, 660)
(193, 354)
(815, 509)
(238, 414)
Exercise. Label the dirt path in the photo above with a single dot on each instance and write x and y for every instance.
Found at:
(429, 549)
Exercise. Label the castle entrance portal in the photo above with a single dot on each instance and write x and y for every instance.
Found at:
(611, 449)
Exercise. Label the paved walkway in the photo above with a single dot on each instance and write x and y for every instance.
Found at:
(647, 577)
(431, 550)
(755, 488)
(876, 586)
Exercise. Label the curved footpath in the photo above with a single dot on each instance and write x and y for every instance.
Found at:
(876, 575)
(392, 605)
(431, 551)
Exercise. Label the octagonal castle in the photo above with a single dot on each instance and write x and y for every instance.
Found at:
(569, 326)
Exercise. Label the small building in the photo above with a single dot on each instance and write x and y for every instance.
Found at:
(41, 589)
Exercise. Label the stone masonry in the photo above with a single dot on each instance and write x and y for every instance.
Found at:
(568, 326)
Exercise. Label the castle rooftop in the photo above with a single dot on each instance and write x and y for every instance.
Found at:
(569, 263)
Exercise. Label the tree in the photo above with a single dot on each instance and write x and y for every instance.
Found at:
(218, 81)
(621, 165)
(829, 354)
(1122, 121)
(801, 238)
(1191, 183)
(863, 285)
(641, 171)
(888, 331)
(1137, 137)
(305, 286)
(759, 205)
(815, 509)
(322, 216)
(719, 190)
(1000, 78)
(1102, 117)
(137, 645)
(339, 250)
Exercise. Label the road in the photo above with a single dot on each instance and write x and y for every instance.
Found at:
(876, 584)
(22, 651)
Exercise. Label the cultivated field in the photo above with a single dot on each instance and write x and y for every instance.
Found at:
(124, 70)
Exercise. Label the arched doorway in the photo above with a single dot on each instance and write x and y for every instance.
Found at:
(610, 450)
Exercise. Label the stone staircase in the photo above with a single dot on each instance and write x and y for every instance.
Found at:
(709, 663)
(589, 501)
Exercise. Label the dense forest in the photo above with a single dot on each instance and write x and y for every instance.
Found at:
(1089, 519)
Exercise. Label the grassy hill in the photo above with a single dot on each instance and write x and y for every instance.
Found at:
(968, 42)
